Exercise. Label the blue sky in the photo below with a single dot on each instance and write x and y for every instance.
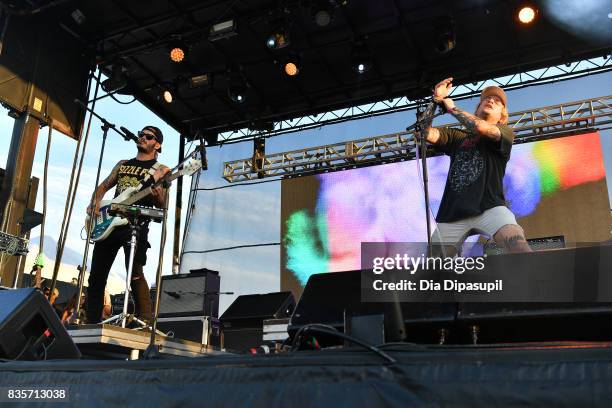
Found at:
(239, 215)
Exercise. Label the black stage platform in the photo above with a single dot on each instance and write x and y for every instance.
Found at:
(551, 374)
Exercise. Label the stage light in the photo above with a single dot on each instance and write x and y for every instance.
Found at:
(323, 13)
(291, 65)
(445, 40)
(278, 40)
(237, 87)
(117, 79)
(526, 14)
(167, 95)
(291, 69)
(361, 60)
(222, 30)
(279, 33)
(177, 54)
(177, 50)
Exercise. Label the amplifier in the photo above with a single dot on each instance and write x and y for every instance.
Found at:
(190, 294)
(243, 321)
(201, 329)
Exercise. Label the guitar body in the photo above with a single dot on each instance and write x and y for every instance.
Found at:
(104, 223)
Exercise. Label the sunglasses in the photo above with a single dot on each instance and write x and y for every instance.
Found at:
(148, 136)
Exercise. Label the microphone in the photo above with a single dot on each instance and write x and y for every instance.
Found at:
(129, 135)
(172, 294)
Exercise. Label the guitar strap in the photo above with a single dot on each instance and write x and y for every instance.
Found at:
(150, 173)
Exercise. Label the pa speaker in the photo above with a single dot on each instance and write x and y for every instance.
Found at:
(30, 329)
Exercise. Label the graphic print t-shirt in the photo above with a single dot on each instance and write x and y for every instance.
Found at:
(131, 174)
(476, 172)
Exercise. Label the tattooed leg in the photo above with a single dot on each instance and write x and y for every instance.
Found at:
(512, 239)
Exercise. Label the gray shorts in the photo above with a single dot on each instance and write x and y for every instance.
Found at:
(488, 223)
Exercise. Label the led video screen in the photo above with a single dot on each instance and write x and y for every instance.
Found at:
(554, 187)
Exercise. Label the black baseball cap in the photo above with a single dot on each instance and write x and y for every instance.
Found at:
(159, 136)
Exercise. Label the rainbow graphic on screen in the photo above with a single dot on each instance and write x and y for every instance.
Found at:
(385, 203)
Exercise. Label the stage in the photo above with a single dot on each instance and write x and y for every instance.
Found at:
(544, 374)
(111, 342)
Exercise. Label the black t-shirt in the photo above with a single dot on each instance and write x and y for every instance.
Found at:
(131, 173)
(475, 176)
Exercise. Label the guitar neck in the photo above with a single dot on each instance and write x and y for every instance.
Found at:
(144, 193)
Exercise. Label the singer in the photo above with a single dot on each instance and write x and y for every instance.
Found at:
(141, 171)
(473, 201)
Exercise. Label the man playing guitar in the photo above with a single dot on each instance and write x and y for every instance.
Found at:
(141, 171)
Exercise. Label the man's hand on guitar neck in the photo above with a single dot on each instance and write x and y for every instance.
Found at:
(159, 193)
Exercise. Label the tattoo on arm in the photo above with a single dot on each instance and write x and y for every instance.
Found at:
(111, 180)
(511, 241)
(475, 125)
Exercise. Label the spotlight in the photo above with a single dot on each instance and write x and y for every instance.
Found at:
(527, 14)
(177, 51)
(167, 95)
(117, 79)
(361, 60)
(323, 13)
(291, 66)
(279, 36)
(278, 40)
(445, 40)
(237, 87)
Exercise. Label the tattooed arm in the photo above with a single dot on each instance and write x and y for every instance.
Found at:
(472, 123)
(106, 185)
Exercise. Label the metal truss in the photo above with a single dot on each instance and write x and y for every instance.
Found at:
(540, 76)
(528, 125)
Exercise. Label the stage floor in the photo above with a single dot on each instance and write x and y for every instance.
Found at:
(542, 374)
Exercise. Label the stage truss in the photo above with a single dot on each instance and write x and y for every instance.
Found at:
(516, 81)
(528, 125)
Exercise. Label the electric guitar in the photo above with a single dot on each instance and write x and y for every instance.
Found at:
(104, 223)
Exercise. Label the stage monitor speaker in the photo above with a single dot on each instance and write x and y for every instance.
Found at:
(243, 320)
(537, 322)
(331, 298)
(190, 294)
(30, 329)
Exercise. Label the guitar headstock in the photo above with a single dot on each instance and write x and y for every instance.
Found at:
(192, 166)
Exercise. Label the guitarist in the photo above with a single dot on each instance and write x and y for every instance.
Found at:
(143, 171)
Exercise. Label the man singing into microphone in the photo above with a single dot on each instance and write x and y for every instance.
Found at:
(473, 201)
(143, 171)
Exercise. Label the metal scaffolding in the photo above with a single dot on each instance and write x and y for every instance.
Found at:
(528, 125)
(516, 81)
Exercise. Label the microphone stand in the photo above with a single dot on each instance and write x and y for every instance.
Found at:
(425, 116)
(106, 125)
(394, 317)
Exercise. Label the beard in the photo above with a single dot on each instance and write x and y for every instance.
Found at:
(141, 149)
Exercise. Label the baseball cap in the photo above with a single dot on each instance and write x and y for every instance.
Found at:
(158, 134)
(494, 90)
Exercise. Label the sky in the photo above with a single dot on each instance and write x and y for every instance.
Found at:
(238, 215)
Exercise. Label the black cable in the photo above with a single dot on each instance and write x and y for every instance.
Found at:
(234, 247)
(112, 95)
(235, 185)
(323, 329)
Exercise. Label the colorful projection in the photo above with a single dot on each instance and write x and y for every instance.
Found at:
(385, 203)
